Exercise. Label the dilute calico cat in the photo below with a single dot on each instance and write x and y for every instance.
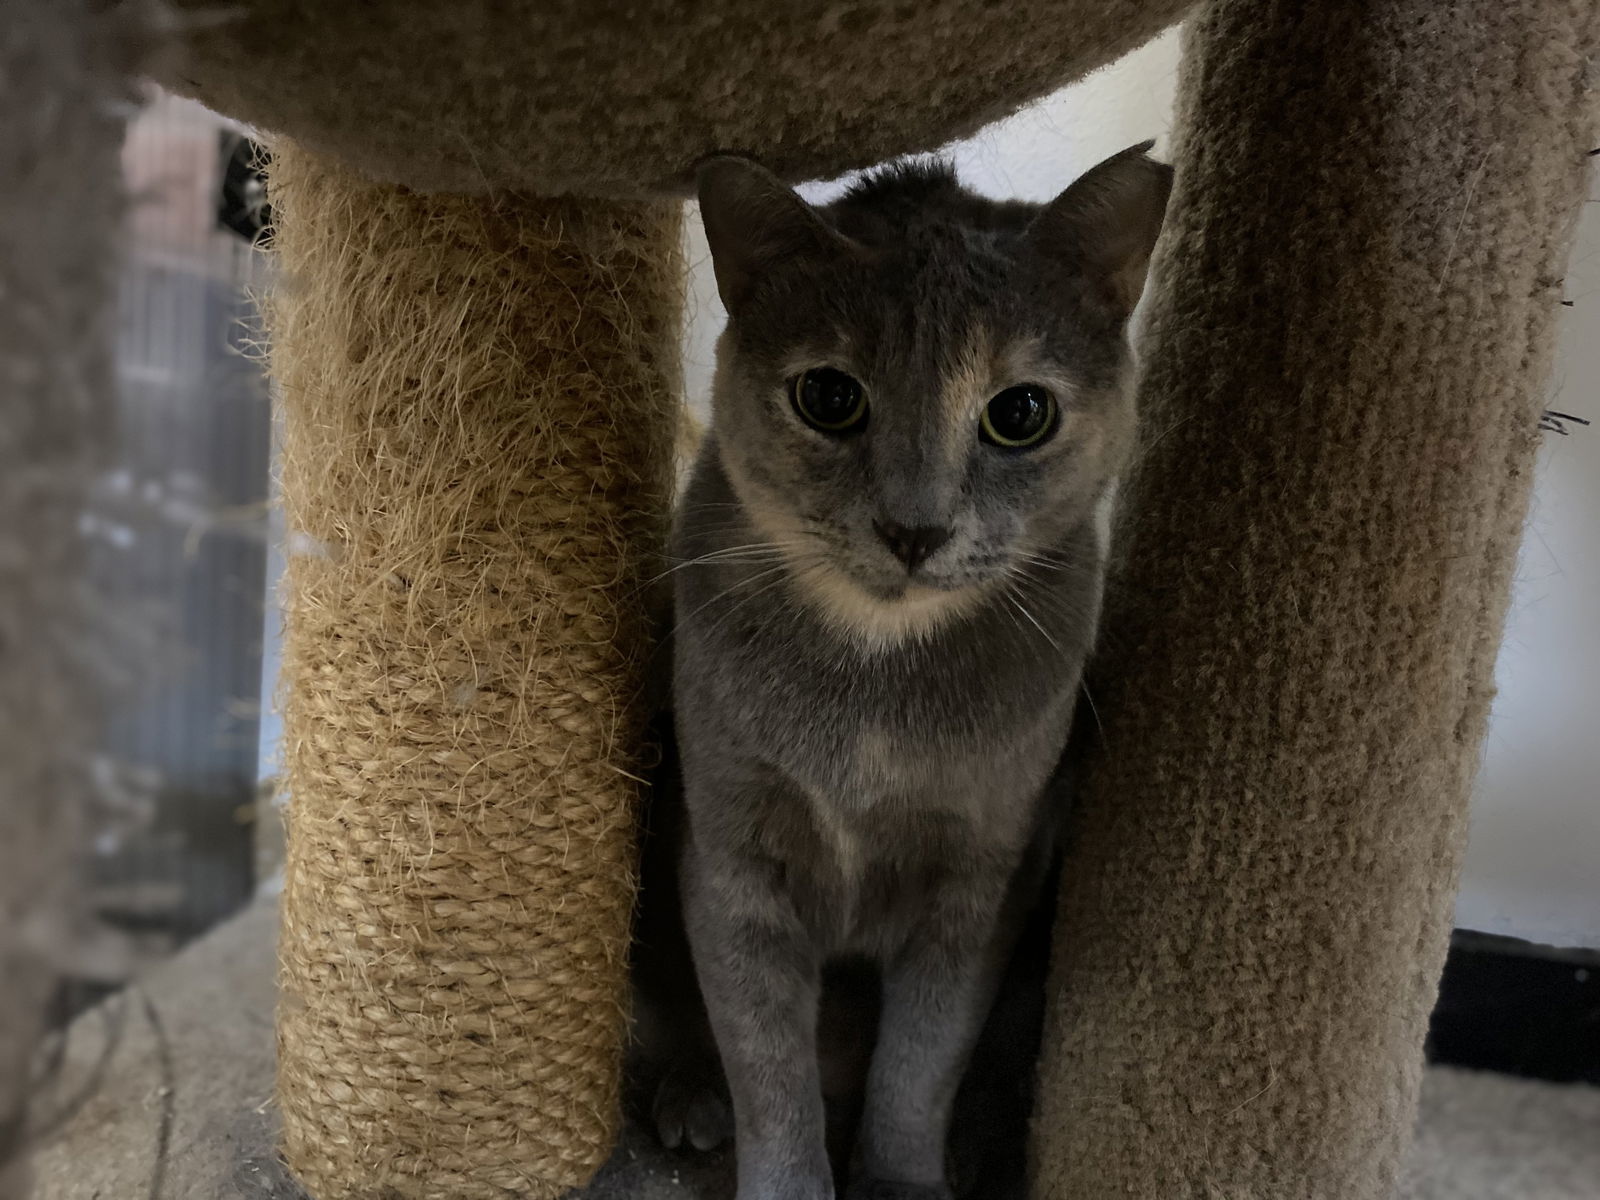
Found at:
(889, 575)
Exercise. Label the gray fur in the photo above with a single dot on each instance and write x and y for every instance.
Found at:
(857, 783)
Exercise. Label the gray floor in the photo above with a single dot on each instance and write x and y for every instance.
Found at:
(178, 1110)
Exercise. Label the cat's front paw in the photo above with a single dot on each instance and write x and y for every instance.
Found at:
(883, 1189)
(691, 1108)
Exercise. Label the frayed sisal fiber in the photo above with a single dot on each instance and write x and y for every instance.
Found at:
(1350, 334)
(594, 97)
(64, 97)
(479, 399)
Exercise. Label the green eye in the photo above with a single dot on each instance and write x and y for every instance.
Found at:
(829, 400)
(1018, 417)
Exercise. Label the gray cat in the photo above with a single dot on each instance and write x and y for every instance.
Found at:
(890, 576)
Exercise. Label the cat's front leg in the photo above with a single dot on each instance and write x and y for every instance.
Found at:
(936, 993)
(760, 976)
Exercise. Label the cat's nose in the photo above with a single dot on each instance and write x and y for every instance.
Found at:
(911, 544)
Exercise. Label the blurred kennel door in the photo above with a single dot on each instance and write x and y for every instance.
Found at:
(179, 538)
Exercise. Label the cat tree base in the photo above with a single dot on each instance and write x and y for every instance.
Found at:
(207, 1073)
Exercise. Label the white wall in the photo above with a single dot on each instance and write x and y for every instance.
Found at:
(1533, 868)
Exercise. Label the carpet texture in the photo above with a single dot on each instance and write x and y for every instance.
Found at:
(595, 97)
(1348, 341)
(479, 401)
(173, 1081)
(1490, 1137)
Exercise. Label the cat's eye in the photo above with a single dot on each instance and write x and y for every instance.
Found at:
(829, 400)
(1018, 417)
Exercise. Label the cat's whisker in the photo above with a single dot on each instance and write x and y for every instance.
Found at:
(1094, 710)
(761, 545)
(732, 506)
(1053, 562)
(743, 600)
(719, 557)
(1066, 609)
(730, 589)
(1023, 609)
(726, 556)
(753, 552)
(1020, 627)
(809, 562)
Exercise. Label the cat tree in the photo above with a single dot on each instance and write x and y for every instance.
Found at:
(475, 335)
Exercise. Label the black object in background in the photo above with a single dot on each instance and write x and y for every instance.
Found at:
(1519, 1009)
(242, 203)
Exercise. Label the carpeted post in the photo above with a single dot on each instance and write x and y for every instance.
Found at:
(1345, 369)
(479, 403)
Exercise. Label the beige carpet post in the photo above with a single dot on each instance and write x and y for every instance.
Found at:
(1351, 337)
(479, 396)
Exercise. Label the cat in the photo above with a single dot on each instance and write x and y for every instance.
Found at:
(890, 568)
(674, 1076)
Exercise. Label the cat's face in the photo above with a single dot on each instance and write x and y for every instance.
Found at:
(919, 393)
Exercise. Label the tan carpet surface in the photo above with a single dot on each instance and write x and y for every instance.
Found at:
(1349, 328)
(572, 96)
(179, 1109)
(1488, 1137)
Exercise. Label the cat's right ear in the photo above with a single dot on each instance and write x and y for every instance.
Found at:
(1105, 225)
(753, 222)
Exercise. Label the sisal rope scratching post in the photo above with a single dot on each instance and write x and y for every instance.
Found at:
(479, 406)
(1348, 343)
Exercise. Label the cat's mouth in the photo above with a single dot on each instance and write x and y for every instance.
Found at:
(878, 609)
(888, 581)
(910, 588)
(873, 603)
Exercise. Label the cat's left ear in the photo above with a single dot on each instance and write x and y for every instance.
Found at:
(1105, 225)
(755, 222)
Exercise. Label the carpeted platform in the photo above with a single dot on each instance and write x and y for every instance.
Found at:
(164, 1094)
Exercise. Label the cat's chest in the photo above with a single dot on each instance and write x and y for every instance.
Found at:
(882, 738)
(864, 873)
(965, 721)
